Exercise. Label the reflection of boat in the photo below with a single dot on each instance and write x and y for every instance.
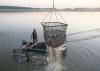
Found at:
(32, 54)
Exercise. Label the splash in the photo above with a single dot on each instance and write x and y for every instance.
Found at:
(55, 61)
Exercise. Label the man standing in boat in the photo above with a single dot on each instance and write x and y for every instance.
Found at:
(34, 36)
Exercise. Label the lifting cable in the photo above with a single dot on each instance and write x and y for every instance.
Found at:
(56, 14)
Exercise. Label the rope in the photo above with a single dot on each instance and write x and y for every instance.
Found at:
(56, 16)
(46, 17)
(53, 7)
(55, 13)
(85, 38)
(77, 33)
(61, 17)
(50, 16)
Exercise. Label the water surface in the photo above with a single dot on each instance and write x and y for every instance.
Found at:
(80, 56)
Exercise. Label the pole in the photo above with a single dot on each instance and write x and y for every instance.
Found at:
(53, 5)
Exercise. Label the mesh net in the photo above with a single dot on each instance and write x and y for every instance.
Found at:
(54, 33)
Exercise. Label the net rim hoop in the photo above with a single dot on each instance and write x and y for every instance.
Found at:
(61, 24)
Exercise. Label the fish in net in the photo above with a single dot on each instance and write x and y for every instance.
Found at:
(54, 33)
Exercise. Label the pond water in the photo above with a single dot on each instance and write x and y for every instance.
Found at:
(80, 56)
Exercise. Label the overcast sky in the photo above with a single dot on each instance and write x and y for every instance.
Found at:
(48, 3)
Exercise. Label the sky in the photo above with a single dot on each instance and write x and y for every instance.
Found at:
(48, 3)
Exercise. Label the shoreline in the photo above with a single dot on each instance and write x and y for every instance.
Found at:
(32, 10)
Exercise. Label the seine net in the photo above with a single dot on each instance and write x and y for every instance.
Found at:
(54, 30)
(54, 33)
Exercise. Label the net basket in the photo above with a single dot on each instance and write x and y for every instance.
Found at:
(54, 33)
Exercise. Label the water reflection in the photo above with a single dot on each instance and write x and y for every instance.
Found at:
(81, 56)
(35, 58)
(56, 58)
(53, 59)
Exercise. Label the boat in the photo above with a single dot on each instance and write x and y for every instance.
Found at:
(38, 47)
(37, 52)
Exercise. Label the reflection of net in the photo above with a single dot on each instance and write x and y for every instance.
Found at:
(55, 35)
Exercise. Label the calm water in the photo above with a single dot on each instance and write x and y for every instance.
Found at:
(80, 56)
